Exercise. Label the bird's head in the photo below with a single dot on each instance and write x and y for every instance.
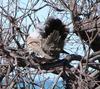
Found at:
(55, 24)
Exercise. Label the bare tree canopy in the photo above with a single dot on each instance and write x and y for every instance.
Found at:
(69, 27)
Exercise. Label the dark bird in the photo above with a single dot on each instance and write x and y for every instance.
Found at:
(55, 34)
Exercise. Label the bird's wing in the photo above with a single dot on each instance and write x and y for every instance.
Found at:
(53, 44)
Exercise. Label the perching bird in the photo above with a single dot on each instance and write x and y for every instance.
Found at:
(49, 41)
(55, 34)
(34, 44)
